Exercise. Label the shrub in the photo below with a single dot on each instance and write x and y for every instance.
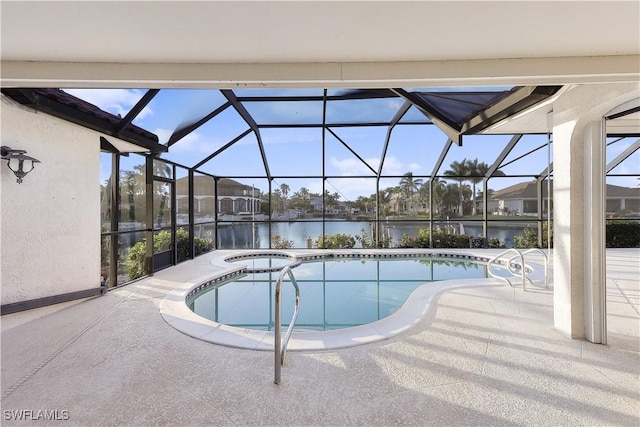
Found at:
(496, 243)
(279, 243)
(529, 238)
(161, 243)
(623, 234)
(441, 239)
(619, 234)
(367, 243)
(137, 254)
(335, 241)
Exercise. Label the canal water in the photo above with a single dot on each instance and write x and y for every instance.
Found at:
(242, 235)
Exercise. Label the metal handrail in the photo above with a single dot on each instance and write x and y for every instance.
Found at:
(508, 264)
(279, 346)
(546, 264)
(522, 273)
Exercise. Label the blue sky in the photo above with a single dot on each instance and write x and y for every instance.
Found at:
(289, 151)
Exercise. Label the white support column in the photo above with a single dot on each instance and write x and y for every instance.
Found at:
(579, 183)
(594, 232)
(568, 290)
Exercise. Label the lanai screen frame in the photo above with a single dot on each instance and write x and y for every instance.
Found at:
(452, 132)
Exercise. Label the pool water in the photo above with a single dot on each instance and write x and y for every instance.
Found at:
(334, 294)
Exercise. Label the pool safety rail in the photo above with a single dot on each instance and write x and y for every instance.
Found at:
(517, 269)
(280, 346)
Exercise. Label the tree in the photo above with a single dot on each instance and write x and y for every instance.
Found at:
(409, 185)
(276, 199)
(284, 189)
(477, 172)
(160, 190)
(301, 199)
(438, 188)
(459, 171)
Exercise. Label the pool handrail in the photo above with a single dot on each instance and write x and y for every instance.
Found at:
(522, 272)
(546, 264)
(508, 265)
(280, 346)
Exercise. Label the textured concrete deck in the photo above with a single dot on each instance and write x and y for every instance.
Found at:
(482, 356)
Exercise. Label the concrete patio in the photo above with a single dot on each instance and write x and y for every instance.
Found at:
(485, 355)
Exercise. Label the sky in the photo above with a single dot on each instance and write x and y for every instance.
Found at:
(290, 152)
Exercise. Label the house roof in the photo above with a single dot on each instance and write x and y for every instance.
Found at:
(527, 190)
(68, 107)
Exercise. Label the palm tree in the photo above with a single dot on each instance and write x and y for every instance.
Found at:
(384, 198)
(460, 171)
(438, 187)
(478, 171)
(408, 185)
(304, 192)
(276, 197)
(284, 189)
(163, 170)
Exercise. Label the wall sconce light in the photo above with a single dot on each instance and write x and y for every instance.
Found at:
(19, 164)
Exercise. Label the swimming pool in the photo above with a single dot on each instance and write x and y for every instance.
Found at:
(335, 293)
(208, 271)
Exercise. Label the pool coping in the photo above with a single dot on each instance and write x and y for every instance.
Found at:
(176, 313)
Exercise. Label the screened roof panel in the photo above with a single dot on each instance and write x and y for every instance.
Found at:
(528, 156)
(209, 120)
(363, 110)
(206, 139)
(367, 142)
(341, 161)
(285, 112)
(173, 109)
(413, 149)
(287, 149)
(243, 158)
(270, 92)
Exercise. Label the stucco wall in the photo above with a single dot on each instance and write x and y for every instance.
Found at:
(50, 224)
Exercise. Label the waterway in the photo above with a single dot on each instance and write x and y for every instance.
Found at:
(240, 235)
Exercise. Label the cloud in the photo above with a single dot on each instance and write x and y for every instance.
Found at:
(352, 166)
(191, 143)
(114, 101)
(413, 167)
(350, 189)
(392, 166)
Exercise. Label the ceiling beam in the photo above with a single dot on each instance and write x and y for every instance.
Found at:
(394, 121)
(503, 155)
(246, 116)
(443, 154)
(221, 149)
(133, 113)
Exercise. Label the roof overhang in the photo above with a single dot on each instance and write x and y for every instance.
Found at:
(515, 102)
(72, 109)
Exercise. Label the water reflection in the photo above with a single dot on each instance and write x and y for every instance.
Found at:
(245, 235)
